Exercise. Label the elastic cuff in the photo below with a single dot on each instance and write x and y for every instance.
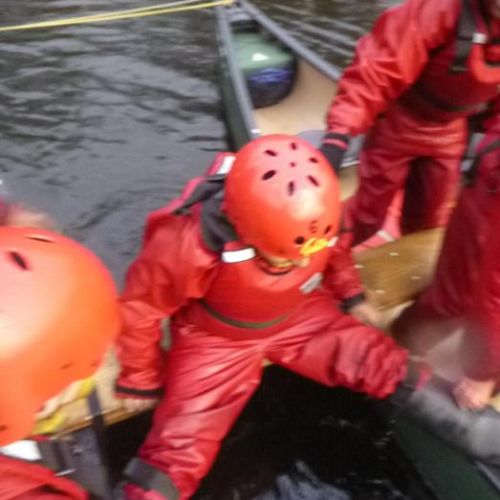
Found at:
(347, 304)
(144, 393)
(149, 478)
(336, 139)
(335, 143)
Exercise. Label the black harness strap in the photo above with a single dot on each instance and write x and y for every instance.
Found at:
(446, 106)
(465, 37)
(471, 174)
(216, 229)
(203, 191)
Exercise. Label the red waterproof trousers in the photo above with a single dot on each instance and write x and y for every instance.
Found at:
(467, 280)
(401, 86)
(209, 379)
(404, 152)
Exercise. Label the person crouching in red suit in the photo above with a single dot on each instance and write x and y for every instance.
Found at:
(241, 265)
(426, 67)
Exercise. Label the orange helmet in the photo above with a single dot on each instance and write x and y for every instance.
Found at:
(283, 197)
(58, 314)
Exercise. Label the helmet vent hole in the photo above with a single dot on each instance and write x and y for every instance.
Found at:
(294, 146)
(19, 260)
(45, 239)
(313, 180)
(269, 175)
(293, 164)
(291, 188)
(3, 427)
(313, 160)
(66, 366)
(270, 152)
(300, 240)
(328, 228)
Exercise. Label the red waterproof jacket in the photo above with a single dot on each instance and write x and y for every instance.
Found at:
(25, 481)
(409, 55)
(174, 268)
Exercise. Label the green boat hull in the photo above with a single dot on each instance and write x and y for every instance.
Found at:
(449, 474)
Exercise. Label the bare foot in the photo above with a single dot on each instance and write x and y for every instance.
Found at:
(473, 394)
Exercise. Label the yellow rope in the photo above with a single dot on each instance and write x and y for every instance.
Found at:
(123, 14)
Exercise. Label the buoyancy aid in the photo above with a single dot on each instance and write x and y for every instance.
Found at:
(462, 75)
(247, 297)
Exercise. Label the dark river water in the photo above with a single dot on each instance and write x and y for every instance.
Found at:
(101, 123)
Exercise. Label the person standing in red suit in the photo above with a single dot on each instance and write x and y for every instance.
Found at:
(425, 68)
(241, 265)
(466, 286)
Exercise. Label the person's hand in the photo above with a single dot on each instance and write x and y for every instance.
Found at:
(366, 313)
(473, 394)
(136, 404)
(19, 215)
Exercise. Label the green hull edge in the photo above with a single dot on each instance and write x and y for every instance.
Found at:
(447, 473)
(239, 134)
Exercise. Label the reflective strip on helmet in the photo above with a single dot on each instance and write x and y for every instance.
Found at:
(233, 256)
(226, 165)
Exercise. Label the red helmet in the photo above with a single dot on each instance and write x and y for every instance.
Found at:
(58, 315)
(283, 197)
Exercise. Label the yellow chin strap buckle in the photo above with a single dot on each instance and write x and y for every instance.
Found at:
(313, 245)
